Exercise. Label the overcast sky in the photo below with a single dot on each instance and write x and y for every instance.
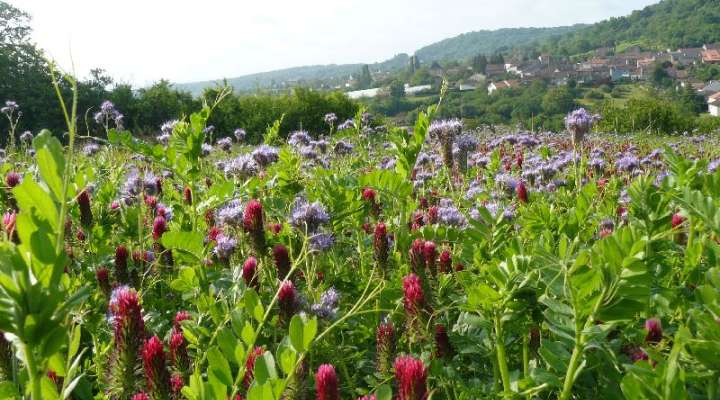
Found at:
(141, 41)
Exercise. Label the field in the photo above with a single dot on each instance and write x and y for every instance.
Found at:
(429, 263)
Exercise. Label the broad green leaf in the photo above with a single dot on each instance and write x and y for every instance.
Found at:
(219, 367)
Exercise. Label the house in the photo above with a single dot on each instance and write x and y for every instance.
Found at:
(544, 59)
(494, 70)
(367, 93)
(711, 56)
(464, 87)
(619, 74)
(714, 104)
(713, 46)
(710, 88)
(413, 90)
(477, 78)
(687, 56)
(494, 86)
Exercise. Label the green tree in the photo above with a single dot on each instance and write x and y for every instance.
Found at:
(365, 79)
(479, 63)
(558, 100)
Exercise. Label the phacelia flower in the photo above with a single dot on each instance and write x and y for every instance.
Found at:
(224, 246)
(240, 134)
(579, 123)
(308, 217)
(328, 305)
(326, 383)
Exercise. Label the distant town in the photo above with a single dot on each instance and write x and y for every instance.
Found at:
(604, 66)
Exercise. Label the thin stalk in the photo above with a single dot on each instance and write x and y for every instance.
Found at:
(526, 356)
(501, 357)
(35, 382)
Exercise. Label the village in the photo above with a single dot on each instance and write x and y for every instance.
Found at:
(605, 66)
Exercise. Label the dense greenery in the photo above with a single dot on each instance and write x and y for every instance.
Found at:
(668, 24)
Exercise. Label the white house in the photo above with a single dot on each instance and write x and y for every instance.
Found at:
(413, 90)
(369, 93)
(714, 105)
(494, 86)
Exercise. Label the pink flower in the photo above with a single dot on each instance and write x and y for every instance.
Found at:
(102, 275)
(445, 262)
(326, 383)
(287, 299)
(381, 245)
(385, 346)
(521, 191)
(187, 195)
(430, 255)
(677, 220)
(250, 366)
(140, 396)
(156, 373)
(254, 225)
(159, 227)
(86, 217)
(12, 179)
(411, 376)
(653, 326)
(443, 348)
(282, 260)
(413, 297)
(249, 272)
(369, 195)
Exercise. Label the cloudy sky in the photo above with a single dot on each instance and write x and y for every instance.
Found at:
(141, 41)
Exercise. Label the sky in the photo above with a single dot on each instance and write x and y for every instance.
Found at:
(142, 41)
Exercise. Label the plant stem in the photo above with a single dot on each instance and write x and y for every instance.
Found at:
(35, 384)
(570, 374)
(500, 350)
(526, 356)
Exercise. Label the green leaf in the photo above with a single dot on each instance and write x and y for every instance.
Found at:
(51, 161)
(265, 368)
(219, 367)
(383, 392)
(296, 333)
(309, 331)
(227, 342)
(48, 389)
(8, 391)
(288, 358)
(248, 334)
(188, 242)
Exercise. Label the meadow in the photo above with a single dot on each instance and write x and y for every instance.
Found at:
(358, 262)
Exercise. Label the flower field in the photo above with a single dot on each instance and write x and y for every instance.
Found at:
(360, 262)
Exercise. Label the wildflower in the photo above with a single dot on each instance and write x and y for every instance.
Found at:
(282, 260)
(579, 123)
(343, 148)
(653, 326)
(465, 144)
(330, 118)
(9, 221)
(129, 333)
(159, 227)
(231, 214)
(239, 134)
(103, 280)
(224, 247)
(445, 263)
(243, 166)
(677, 220)
(250, 365)
(156, 373)
(326, 383)
(205, 149)
(225, 144)
(86, 216)
(445, 131)
(348, 124)
(121, 257)
(417, 260)
(627, 163)
(178, 351)
(385, 346)
(430, 255)
(411, 376)
(265, 155)
(308, 217)
(287, 299)
(413, 297)
(249, 272)
(187, 195)
(328, 305)
(140, 396)
(299, 138)
(254, 224)
(321, 242)
(26, 137)
(521, 191)
(381, 246)
(10, 107)
(90, 149)
(176, 384)
(179, 318)
(12, 179)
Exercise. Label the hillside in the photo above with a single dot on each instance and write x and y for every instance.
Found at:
(470, 44)
(668, 24)
(460, 47)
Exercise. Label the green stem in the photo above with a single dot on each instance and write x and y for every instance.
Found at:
(572, 368)
(712, 387)
(35, 383)
(526, 356)
(500, 350)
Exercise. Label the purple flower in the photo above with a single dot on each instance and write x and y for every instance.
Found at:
(205, 149)
(265, 155)
(231, 214)
(713, 166)
(308, 216)
(26, 137)
(321, 242)
(240, 134)
(108, 113)
(466, 142)
(167, 127)
(299, 138)
(445, 129)
(627, 163)
(10, 107)
(225, 246)
(342, 148)
(225, 144)
(327, 307)
(163, 139)
(330, 118)
(579, 122)
(243, 166)
(348, 124)
(90, 149)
